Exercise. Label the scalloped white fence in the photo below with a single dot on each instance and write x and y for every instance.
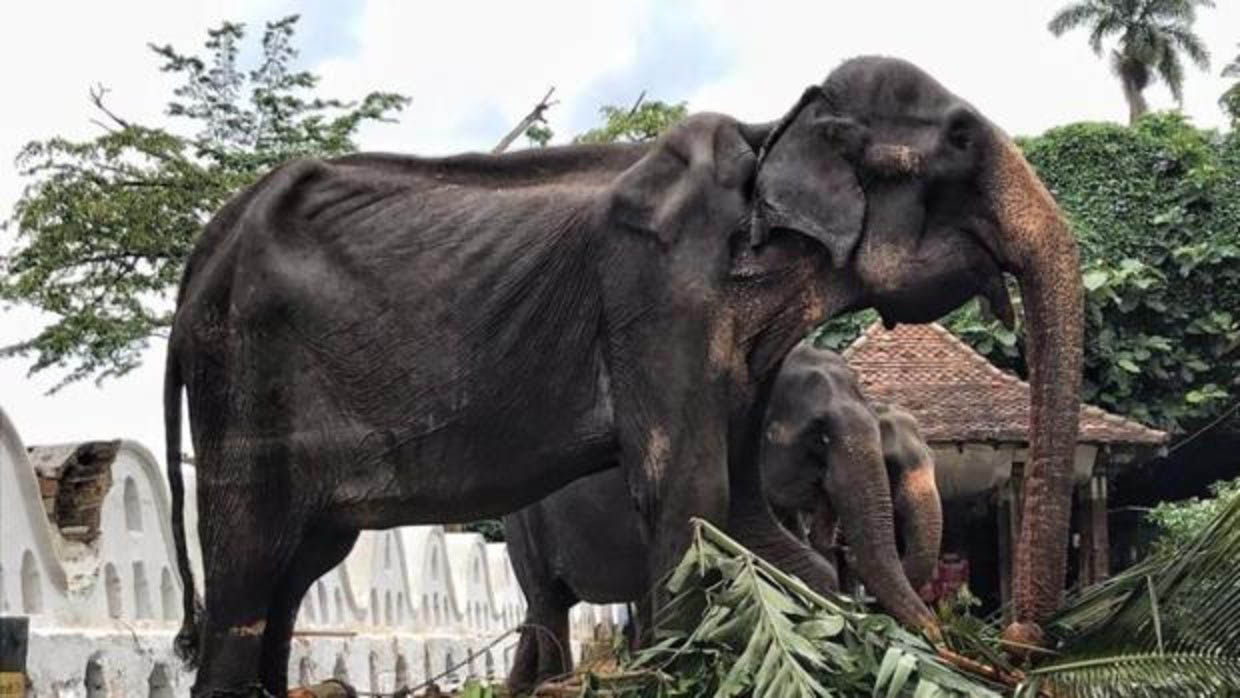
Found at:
(407, 604)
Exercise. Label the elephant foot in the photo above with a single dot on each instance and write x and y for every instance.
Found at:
(1022, 638)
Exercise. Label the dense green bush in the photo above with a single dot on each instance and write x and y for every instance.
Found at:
(1156, 208)
(1179, 522)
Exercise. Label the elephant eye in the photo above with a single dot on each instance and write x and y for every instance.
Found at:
(960, 131)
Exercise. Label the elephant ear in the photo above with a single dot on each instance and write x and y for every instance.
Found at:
(697, 177)
(806, 181)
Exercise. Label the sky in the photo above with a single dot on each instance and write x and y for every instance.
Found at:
(473, 69)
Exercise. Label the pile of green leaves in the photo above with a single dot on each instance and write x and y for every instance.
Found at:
(105, 225)
(1167, 626)
(765, 633)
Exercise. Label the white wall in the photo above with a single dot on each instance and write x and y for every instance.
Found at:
(403, 606)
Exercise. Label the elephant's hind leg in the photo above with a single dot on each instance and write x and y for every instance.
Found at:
(248, 539)
(524, 672)
(321, 549)
(543, 651)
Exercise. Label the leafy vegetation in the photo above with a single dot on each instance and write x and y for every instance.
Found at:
(1152, 36)
(1164, 627)
(1230, 101)
(764, 633)
(1179, 522)
(105, 225)
(1157, 213)
(644, 121)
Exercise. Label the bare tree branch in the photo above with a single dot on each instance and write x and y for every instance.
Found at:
(535, 116)
(96, 97)
(638, 103)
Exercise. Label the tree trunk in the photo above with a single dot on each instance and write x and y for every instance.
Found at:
(1133, 95)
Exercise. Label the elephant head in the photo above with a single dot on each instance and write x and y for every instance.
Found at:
(927, 204)
(915, 496)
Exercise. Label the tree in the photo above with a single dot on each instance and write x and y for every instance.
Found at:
(1230, 101)
(105, 225)
(644, 121)
(1152, 36)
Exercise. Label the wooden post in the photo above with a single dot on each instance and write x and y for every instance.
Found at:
(1081, 503)
(1095, 550)
(14, 639)
(1101, 540)
(1004, 517)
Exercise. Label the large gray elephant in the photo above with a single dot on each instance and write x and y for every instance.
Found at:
(379, 340)
(584, 542)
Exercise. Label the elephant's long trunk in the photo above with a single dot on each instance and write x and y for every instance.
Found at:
(1039, 246)
(754, 526)
(920, 515)
(866, 514)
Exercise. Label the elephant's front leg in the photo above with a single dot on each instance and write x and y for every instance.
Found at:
(671, 424)
(752, 522)
(677, 472)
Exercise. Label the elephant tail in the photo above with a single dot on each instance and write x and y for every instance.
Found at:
(186, 642)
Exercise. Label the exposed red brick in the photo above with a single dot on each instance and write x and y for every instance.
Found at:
(73, 481)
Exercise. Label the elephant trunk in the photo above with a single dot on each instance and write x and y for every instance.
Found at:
(920, 515)
(753, 525)
(1037, 244)
(861, 497)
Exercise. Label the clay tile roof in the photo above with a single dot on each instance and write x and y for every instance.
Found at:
(957, 395)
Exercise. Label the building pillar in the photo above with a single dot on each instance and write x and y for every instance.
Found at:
(1003, 535)
(1095, 545)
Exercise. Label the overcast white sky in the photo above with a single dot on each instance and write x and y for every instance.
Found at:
(474, 68)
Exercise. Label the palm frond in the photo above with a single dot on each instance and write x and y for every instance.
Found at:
(1182, 11)
(1075, 15)
(765, 633)
(1232, 69)
(1171, 71)
(1170, 623)
(1105, 26)
(1150, 674)
(1182, 37)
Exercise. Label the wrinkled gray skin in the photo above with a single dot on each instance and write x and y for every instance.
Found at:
(584, 542)
(378, 340)
(916, 503)
(816, 414)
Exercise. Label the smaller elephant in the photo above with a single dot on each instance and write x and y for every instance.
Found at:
(584, 542)
(915, 498)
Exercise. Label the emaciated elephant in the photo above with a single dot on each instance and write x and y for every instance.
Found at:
(379, 340)
(584, 542)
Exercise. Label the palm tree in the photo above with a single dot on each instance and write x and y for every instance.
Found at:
(1152, 36)
(1230, 101)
